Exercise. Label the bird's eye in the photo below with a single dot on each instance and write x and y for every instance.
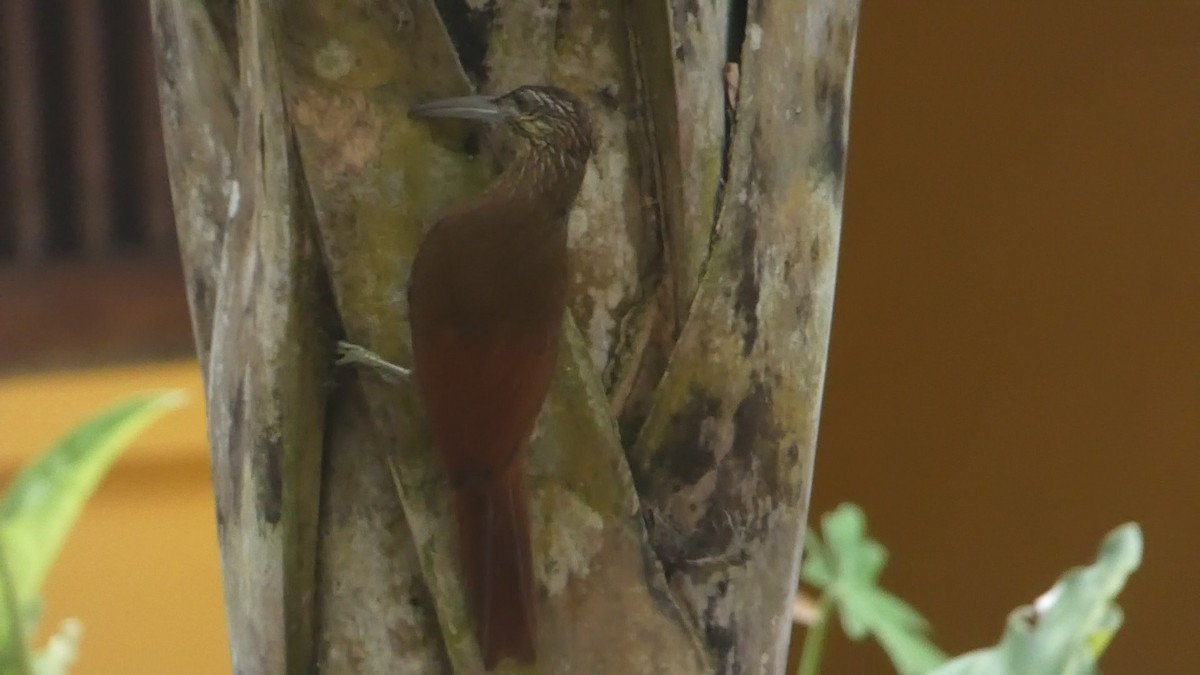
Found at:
(526, 101)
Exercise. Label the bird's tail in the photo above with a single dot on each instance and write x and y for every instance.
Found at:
(493, 537)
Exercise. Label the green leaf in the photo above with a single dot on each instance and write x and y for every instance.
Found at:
(1066, 630)
(817, 570)
(14, 653)
(858, 558)
(909, 650)
(61, 651)
(46, 497)
(846, 567)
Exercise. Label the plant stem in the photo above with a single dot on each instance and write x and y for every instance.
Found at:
(814, 638)
(13, 616)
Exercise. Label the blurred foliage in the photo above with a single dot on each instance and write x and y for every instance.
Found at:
(845, 567)
(1063, 633)
(37, 513)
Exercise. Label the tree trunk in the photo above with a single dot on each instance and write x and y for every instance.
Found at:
(671, 467)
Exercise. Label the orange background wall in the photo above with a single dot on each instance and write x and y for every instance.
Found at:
(1015, 363)
(1016, 354)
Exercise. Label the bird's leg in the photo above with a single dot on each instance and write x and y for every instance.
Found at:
(357, 355)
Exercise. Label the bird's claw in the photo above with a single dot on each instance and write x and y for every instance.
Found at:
(350, 354)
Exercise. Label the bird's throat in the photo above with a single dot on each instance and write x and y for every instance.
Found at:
(541, 176)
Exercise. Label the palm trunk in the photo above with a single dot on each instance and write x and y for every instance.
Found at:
(671, 472)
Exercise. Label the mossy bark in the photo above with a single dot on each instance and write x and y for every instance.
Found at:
(671, 466)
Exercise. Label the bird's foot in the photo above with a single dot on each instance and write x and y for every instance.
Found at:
(357, 355)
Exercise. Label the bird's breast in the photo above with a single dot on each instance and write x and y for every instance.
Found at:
(471, 276)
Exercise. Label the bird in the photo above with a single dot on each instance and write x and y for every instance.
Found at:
(487, 298)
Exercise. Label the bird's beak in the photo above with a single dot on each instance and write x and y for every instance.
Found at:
(481, 108)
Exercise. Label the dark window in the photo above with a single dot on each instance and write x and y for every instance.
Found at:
(89, 269)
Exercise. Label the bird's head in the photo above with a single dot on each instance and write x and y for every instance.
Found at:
(547, 119)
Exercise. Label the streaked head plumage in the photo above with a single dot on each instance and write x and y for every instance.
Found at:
(546, 117)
